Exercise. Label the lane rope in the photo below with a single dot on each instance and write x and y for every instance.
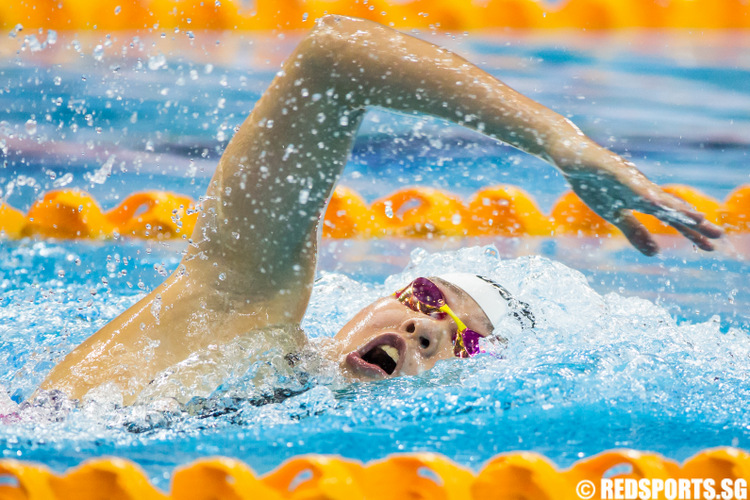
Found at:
(412, 212)
(509, 476)
(189, 16)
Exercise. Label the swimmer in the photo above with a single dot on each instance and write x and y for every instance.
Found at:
(250, 264)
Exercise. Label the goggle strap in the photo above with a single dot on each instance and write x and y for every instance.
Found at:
(461, 327)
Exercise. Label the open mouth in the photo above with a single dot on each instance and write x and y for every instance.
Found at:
(379, 358)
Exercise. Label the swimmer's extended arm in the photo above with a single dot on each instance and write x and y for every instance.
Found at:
(271, 186)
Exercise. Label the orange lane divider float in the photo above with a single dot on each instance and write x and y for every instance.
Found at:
(572, 217)
(12, 221)
(450, 15)
(75, 214)
(419, 212)
(347, 215)
(512, 476)
(735, 213)
(506, 211)
(154, 214)
(67, 214)
(415, 212)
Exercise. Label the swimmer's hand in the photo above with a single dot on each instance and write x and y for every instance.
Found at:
(614, 188)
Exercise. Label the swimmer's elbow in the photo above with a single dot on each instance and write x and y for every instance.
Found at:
(336, 23)
(333, 33)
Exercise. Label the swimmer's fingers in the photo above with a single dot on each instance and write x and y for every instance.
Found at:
(636, 233)
(688, 221)
(700, 240)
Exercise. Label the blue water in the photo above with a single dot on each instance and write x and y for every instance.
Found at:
(648, 353)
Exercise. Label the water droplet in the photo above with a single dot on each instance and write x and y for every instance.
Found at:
(101, 175)
(303, 196)
(57, 80)
(388, 210)
(31, 127)
(155, 305)
(304, 17)
(51, 37)
(156, 62)
(98, 52)
(118, 9)
(222, 276)
(63, 181)
(33, 42)
(344, 121)
(16, 30)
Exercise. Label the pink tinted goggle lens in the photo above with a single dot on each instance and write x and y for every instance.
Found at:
(427, 294)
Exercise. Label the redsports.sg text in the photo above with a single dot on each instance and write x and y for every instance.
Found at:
(673, 489)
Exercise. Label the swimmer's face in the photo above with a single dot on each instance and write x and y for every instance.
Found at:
(388, 339)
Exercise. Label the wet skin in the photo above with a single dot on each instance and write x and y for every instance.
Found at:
(412, 340)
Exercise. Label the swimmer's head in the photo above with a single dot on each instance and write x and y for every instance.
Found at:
(407, 333)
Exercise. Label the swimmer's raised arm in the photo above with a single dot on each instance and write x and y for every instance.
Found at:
(277, 173)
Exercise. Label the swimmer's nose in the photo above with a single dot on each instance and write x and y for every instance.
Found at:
(424, 333)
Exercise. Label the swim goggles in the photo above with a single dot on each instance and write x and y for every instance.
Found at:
(422, 295)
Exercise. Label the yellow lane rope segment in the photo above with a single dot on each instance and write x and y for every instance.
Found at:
(414, 212)
(451, 15)
(509, 476)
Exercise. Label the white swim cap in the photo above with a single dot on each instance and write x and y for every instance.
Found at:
(496, 302)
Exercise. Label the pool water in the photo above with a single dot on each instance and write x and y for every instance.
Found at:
(629, 351)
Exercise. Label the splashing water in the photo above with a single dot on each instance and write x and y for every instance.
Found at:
(624, 365)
